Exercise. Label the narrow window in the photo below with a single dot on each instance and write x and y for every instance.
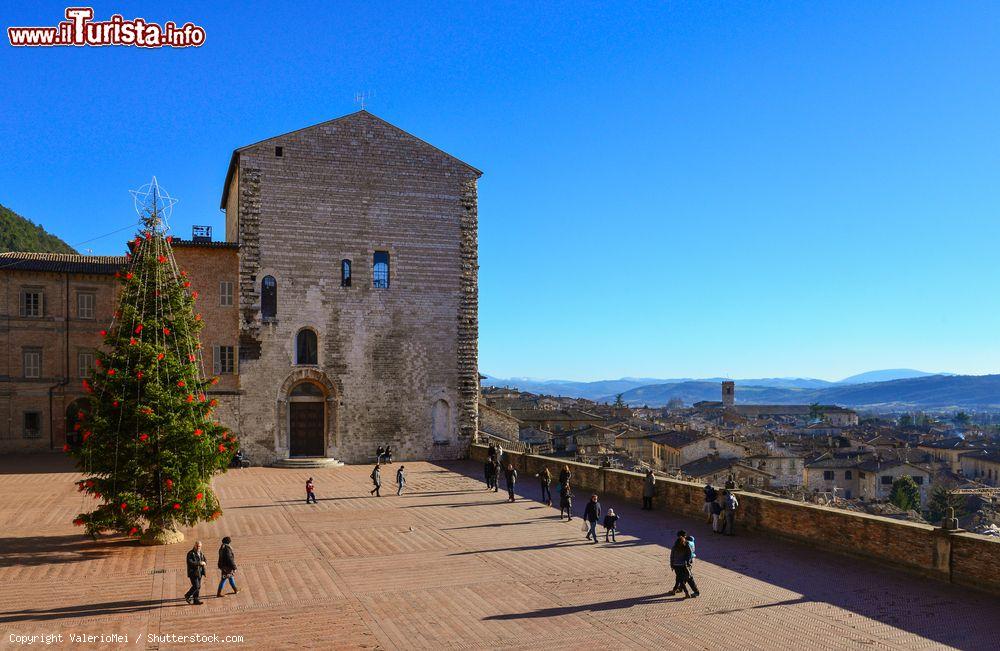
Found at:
(32, 424)
(84, 362)
(85, 305)
(224, 360)
(226, 293)
(345, 273)
(279, 151)
(269, 297)
(31, 302)
(32, 359)
(847, 474)
(380, 270)
(306, 347)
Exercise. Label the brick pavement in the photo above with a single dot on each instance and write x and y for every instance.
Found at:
(448, 565)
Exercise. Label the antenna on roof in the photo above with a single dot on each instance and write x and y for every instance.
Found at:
(362, 98)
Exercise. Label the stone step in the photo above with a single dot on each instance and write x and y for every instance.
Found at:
(307, 462)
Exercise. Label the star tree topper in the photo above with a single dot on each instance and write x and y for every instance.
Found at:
(153, 204)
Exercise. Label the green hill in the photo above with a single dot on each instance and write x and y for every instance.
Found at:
(19, 234)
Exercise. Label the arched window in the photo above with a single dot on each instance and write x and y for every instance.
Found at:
(345, 273)
(380, 270)
(305, 347)
(269, 297)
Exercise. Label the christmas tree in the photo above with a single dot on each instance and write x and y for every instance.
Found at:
(149, 445)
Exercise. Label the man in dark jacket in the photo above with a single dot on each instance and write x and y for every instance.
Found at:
(227, 565)
(195, 570)
(495, 472)
(592, 514)
(488, 472)
(710, 495)
(511, 477)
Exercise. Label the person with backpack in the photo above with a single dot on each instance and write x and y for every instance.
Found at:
(710, 495)
(376, 478)
(729, 506)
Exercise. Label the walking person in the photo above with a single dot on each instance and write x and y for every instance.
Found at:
(545, 478)
(310, 491)
(376, 480)
(592, 514)
(565, 501)
(488, 472)
(388, 454)
(495, 472)
(379, 453)
(227, 565)
(400, 480)
(564, 476)
(710, 497)
(610, 525)
(511, 476)
(195, 570)
(648, 490)
(729, 506)
(681, 557)
(492, 452)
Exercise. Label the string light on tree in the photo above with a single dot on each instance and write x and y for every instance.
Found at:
(149, 450)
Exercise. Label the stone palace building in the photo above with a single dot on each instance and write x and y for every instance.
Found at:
(341, 310)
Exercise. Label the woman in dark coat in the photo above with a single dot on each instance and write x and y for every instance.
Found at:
(227, 565)
(681, 558)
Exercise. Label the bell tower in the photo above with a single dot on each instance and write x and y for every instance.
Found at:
(728, 394)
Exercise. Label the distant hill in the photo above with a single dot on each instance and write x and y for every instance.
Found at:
(928, 392)
(886, 375)
(20, 234)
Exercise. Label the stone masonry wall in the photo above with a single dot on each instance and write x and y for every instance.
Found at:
(962, 558)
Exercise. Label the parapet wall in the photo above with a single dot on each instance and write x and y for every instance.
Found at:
(962, 558)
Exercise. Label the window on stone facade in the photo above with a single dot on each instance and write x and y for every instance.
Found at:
(345, 273)
(847, 474)
(84, 362)
(380, 270)
(279, 151)
(918, 480)
(32, 362)
(85, 305)
(269, 297)
(31, 302)
(306, 347)
(886, 480)
(223, 360)
(32, 424)
(225, 293)
(828, 475)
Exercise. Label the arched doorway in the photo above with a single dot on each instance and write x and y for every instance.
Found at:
(306, 420)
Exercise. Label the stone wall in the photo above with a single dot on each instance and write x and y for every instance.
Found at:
(962, 558)
(495, 422)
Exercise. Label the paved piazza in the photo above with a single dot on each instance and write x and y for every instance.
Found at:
(447, 565)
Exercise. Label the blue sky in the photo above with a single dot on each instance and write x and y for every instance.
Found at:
(677, 189)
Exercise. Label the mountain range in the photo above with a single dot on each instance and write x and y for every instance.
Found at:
(885, 390)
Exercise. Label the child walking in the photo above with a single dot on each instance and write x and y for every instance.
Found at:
(610, 525)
